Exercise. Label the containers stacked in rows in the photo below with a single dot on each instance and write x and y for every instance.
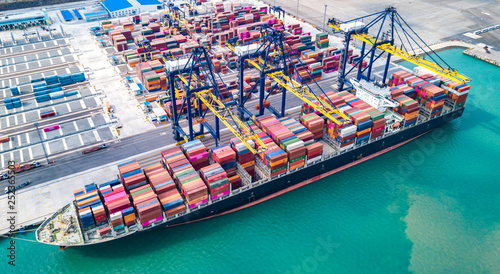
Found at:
(315, 126)
(243, 155)
(432, 98)
(11, 103)
(197, 154)
(322, 40)
(86, 199)
(275, 158)
(215, 177)
(166, 190)
(186, 177)
(311, 60)
(343, 133)
(14, 90)
(132, 175)
(146, 204)
(297, 156)
(117, 203)
(226, 157)
(455, 92)
(41, 90)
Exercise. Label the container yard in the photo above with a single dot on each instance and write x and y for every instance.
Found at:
(233, 67)
(47, 104)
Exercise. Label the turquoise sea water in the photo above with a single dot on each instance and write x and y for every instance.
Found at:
(432, 205)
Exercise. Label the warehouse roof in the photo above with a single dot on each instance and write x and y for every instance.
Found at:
(149, 2)
(114, 5)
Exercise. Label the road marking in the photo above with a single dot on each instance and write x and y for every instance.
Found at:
(8, 122)
(11, 156)
(91, 123)
(81, 140)
(47, 148)
(64, 144)
(76, 126)
(31, 153)
(16, 120)
(24, 117)
(21, 155)
(60, 131)
(44, 135)
(83, 104)
(3, 161)
(96, 135)
(28, 138)
(19, 140)
(69, 107)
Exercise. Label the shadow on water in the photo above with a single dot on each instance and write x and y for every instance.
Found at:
(150, 242)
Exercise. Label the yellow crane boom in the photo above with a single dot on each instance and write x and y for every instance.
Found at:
(417, 60)
(303, 93)
(225, 115)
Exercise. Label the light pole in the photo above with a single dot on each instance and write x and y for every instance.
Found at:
(324, 18)
(297, 9)
(41, 140)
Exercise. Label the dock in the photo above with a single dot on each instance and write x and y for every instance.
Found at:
(474, 50)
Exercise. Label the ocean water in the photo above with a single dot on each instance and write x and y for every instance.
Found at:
(430, 206)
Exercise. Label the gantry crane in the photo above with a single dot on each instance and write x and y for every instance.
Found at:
(273, 58)
(208, 94)
(408, 40)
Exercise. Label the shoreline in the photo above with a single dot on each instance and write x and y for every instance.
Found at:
(472, 50)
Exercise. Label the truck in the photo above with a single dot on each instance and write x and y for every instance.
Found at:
(25, 167)
(7, 190)
(4, 176)
(92, 149)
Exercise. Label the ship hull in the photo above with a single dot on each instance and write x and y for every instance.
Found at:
(291, 181)
(287, 181)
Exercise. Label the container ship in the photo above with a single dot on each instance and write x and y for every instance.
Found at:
(192, 182)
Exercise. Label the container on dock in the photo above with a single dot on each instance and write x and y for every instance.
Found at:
(50, 128)
(46, 114)
(4, 139)
(14, 90)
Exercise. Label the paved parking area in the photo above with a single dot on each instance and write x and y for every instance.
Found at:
(71, 135)
(81, 117)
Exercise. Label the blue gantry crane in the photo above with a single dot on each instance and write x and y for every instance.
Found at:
(206, 91)
(392, 30)
(275, 60)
